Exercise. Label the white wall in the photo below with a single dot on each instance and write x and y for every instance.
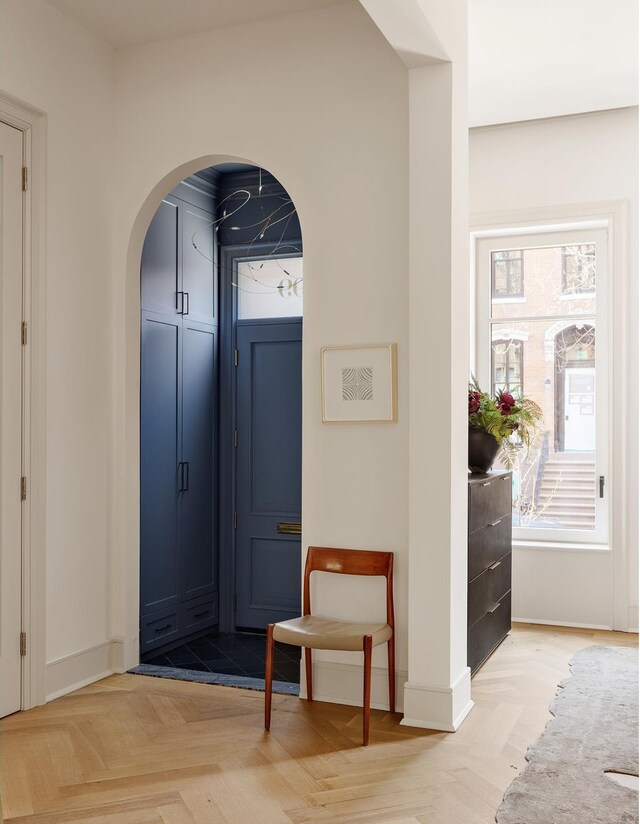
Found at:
(54, 65)
(542, 165)
(320, 100)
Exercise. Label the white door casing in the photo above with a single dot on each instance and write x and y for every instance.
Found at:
(11, 302)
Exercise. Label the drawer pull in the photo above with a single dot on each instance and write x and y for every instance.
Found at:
(486, 483)
(162, 629)
(495, 523)
(494, 608)
(201, 614)
(495, 566)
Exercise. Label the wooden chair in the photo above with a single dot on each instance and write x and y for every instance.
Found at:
(312, 632)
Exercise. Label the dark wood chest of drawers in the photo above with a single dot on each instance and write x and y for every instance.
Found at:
(489, 566)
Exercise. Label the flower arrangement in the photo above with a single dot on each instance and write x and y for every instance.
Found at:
(511, 421)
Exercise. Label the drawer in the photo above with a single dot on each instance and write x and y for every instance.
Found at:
(489, 501)
(487, 633)
(488, 545)
(200, 613)
(157, 629)
(486, 590)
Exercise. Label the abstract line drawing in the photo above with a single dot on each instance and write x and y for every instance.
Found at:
(357, 383)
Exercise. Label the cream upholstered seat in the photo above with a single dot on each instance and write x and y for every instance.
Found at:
(327, 633)
(313, 632)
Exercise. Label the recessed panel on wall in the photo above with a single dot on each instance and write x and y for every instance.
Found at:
(159, 277)
(276, 436)
(159, 419)
(198, 445)
(198, 249)
(275, 560)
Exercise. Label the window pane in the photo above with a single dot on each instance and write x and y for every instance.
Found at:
(553, 362)
(269, 288)
(506, 268)
(551, 280)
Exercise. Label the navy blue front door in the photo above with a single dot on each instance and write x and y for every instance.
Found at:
(268, 470)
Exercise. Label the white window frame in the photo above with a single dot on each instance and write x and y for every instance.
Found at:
(559, 235)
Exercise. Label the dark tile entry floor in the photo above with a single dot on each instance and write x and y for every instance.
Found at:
(233, 653)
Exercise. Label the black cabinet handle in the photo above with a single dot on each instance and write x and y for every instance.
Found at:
(185, 303)
(185, 476)
(162, 629)
(179, 302)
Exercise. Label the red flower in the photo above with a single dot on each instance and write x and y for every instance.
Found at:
(506, 399)
(504, 408)
(474, 402)
(514, 426)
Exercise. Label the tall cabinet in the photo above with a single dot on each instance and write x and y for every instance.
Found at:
(179, 345)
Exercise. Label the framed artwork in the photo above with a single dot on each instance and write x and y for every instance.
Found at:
(359, 384)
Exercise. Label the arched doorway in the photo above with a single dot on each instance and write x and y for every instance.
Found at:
(220, 410)
(574, 370)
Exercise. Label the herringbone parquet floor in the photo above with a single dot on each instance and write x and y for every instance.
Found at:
(136, 750)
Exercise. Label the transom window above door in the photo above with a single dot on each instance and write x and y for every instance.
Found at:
(551, 345)
(269, 287)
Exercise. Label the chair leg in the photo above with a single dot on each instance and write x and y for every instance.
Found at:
(391, 656)
(366, 698)
(308, 669)
(268, 678)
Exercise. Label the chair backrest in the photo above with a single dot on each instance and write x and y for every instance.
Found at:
(348, 562)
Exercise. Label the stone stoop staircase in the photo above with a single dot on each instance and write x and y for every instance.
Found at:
(567, 492)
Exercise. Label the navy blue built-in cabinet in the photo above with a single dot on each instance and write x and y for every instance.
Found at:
(178, 426)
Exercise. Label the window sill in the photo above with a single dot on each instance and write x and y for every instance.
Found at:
(561, 546)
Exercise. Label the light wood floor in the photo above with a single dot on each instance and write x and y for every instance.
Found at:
(134, 750)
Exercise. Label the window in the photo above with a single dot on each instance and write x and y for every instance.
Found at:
(506, 367)
(506, 273)
(269, 287)
(550, 346)
(578, 269)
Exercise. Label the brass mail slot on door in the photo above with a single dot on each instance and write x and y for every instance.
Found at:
(285, 528)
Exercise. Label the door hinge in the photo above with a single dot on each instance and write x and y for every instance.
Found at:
(236, 357)
(23, 644)
(235, 520)
(23, 336)
(25, 178)
(235, 437)
(601, 481)
(23, 488)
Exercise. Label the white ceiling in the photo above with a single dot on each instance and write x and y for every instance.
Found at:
(541, 58)
(132, 22)
(527, 58)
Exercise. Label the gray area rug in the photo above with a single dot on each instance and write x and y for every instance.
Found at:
(245, 683)
(594, 730)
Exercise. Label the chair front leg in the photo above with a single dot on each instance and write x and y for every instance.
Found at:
(268, 677)
(391, 657)
(308, 671)
(366, 697)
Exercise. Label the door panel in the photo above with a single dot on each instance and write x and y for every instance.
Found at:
(197, 264)
(199, 418)
(269, 423)
(10, 418)
(159, 267)
(159, 428)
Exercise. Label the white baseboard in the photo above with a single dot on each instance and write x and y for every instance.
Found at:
(433, 707)
(79, 669)
(552, 623)
(342, 684)
(633, 619)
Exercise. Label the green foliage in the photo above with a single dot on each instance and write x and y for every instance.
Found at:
(512, 421)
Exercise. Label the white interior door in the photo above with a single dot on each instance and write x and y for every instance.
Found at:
(579, 409)
(11, 232)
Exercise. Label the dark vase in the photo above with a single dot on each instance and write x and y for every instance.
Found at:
(483, 449)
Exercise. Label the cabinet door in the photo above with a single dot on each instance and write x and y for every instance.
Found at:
(198, 247)
(198, 500)
(159, 427)
(159, 276)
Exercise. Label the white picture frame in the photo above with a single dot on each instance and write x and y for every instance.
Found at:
(359, 383)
